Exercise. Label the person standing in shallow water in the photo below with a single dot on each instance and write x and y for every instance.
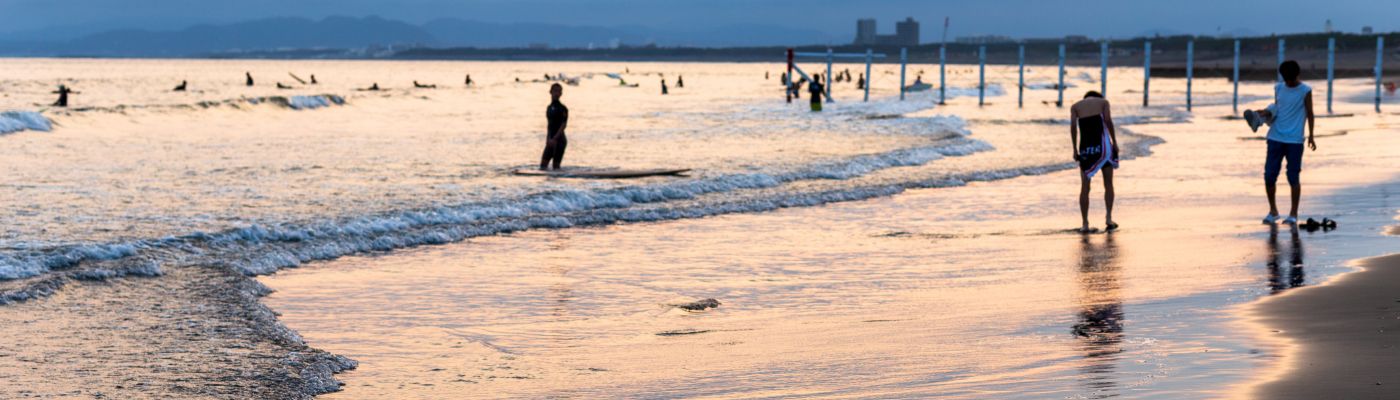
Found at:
(817, 90)
(1096, 149)
(558, 119)
(249, 75)
(63, 92)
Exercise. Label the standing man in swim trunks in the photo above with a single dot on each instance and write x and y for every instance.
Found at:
(1292, 107)
(555, 141)
(817, 90)
(1095, 150)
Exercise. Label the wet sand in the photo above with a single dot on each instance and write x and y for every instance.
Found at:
(1344, 336)
(192, 333)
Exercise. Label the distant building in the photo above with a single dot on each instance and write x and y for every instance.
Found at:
(1366, 30)
(984, 39)
(906, 33)
(865, 32)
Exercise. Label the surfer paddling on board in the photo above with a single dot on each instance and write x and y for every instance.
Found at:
(1096, 150)
(558, 119)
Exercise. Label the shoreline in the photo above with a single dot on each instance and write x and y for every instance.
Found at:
(1342, 336)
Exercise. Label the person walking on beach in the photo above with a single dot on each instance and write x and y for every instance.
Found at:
(817, 90)
(1096, 150)
(557, 116)
(1292, 106)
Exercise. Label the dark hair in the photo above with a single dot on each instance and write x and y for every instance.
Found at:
(1290, 70)
(1093, 94)
(554, 86)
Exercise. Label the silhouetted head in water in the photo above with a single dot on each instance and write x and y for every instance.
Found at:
(313, 79)
(556, 91)
(1092, 93)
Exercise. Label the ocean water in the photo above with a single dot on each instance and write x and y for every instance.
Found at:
(938, 263)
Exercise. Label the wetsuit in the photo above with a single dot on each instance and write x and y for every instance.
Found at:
(250, 78)
(62, 97)
(558, 117)
(817, 89)
(1095, 146)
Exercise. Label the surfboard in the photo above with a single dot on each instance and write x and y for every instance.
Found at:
(602, 173)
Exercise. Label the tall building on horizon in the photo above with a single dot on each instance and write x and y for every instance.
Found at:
(865, 32)
(906, 33)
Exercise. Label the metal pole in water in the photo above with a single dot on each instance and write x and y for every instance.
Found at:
(942, 83)
(1060, 102)
(1235, 102)
(1190, 70)
(1280, 58)
(829, 56)
(1331, 64)
(1103, 68)
(1146, 69)
(869, 57)
(1380, 61)
(1021, 81)
(903, 61)
(982, 75)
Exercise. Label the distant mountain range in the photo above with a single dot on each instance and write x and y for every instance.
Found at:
(368, 32)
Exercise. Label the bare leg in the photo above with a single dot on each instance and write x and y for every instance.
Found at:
(1269, 189)
(1108, 194)
(1297, 195)
(1084, 200)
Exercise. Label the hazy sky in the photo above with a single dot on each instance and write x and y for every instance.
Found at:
(1017, 18)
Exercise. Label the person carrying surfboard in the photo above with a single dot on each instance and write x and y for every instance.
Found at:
(557, 116)
(1096, 150)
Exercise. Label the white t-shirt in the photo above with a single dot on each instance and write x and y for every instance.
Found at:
(1289, 113)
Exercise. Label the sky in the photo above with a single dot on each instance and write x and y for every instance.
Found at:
(1015, 18)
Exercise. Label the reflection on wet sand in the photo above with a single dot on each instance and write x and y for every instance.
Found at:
(1294, 277)
(1100, 323)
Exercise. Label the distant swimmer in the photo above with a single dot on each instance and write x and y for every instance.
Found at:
(663, 87)
(1095, 143)
(817, 90)
(422, 86)
(860, 82)
(313, 79)
(250, 78)
(182, 86)
(557, 116)
(784, 78)
(765, 75)
(371, 88)
(517, 79)
(281, 86)
(919, 80)
(63, 92)
(680, 81)
(469, 80)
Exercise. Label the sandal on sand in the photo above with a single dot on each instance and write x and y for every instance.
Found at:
(1086, 230)
(1270, 219)
(1112, 226)
(1291, 220)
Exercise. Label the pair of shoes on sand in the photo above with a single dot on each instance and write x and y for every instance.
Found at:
(1313, 225)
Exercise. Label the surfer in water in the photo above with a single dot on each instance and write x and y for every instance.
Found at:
(680, 81)
(182, 86)
(422, 86)
(664, 90)
(1095, 143)
(313, 79)
(249, 75)
(63, 92)
(281, 86)
(469, 80)
(860, 83)
(558, 119)
(817, 90)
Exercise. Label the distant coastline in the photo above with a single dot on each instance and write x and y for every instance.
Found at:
(1355, 56)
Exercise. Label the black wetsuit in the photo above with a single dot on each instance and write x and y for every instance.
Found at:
(817, 89)
(1091, 143)
(62, 97)
(558, 116)
(250, 79)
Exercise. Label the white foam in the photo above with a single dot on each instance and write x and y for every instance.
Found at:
(15, 121)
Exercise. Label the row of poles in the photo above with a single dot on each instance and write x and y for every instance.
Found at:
(870, 56)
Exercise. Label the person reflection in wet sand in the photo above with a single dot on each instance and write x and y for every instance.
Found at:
(1099, 326)
(1278, 280)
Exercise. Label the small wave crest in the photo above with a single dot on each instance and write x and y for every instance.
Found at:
(15, 121)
